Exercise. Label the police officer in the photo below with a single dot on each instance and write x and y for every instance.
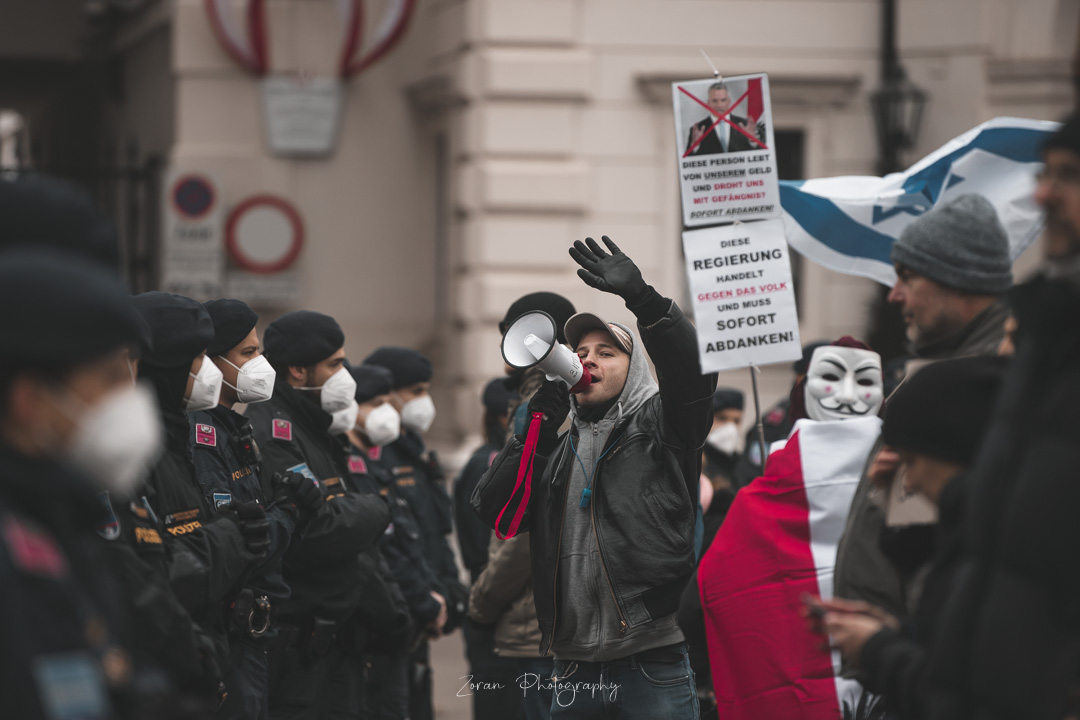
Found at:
(227, 467)
(473, 539)
(378, 424)
(67, 408)
(420, 480)
(211, 549)
(311, 674)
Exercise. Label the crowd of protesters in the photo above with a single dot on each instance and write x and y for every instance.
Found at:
(199, 520)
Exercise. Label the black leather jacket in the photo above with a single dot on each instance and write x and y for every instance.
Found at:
(645, 526)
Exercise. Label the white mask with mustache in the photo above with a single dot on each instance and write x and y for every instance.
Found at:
(843, 383)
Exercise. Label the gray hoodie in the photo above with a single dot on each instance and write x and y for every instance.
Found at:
(589, 627)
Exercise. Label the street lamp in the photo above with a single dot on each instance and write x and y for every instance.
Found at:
(898, 104)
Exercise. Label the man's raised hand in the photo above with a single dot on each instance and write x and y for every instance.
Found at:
(614, 273)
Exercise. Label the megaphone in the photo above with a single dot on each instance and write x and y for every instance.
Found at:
(532, 341)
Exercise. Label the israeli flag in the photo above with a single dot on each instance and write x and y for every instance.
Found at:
(848, 224)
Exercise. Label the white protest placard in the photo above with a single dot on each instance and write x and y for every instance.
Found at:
(726, 152)
(193, 255)
(744, 302)
(302, 114)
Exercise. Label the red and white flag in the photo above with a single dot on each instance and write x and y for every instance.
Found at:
(777, 543)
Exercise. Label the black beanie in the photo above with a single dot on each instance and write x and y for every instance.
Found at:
(944, 409)
(301, 339)
(1066, 138)
(406, 365)
(180, 328)
(553, 304)
(233, 321)
(371, 381)
(496, 397)
(726, 399)
(62, 312)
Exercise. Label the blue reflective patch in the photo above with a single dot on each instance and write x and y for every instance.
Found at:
(304, 470)
(71, 687)
(222, 499)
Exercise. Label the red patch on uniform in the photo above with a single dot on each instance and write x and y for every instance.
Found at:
(491, 458)
(357, 465)
(206, 435)
(32, 550)
(775, 417)
(375, 453)
(282, 430)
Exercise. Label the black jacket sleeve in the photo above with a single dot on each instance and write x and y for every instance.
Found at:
(893, 665)
(473, 536)
(496, 486)
(414, 579)
(205, 564)
(685, 394)
(345, 526)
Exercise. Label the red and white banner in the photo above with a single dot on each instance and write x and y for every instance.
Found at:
(241, 28)
(777, 543)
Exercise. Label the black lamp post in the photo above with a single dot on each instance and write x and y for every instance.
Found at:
(897, 105)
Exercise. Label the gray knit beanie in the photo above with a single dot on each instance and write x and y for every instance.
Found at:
(960, 244)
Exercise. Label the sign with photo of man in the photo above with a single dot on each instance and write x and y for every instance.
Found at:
(727, 160)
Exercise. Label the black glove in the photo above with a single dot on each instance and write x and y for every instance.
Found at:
(297, 494)
(614, 273)
(553, 400)
(251, 518)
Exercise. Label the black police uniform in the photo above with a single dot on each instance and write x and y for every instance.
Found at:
(227, 467)
(53, 610)
(402, 548)
(420, 482)
(309, 668)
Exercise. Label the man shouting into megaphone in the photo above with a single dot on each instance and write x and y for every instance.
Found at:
(610, 503)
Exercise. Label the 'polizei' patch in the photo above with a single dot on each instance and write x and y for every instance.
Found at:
(110, 528)
(206, 435)
(222, 499)
(357, 465)
(282, 429)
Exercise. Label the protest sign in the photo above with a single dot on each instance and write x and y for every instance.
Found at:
(726, 154)
(744, 302)
(192, 259)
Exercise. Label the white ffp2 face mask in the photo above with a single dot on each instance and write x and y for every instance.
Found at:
(254, 380)
(382, 425)
(344, 419)
(117, 440)
(418, 414)
(338, 392)
(206, 390)
(725, 438)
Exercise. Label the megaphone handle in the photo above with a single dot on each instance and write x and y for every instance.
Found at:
(524, 476)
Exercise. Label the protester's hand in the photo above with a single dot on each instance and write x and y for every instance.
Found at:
(817, 606)
(435, 626)
(255, 528)
(850, 631)
(883, 468)
(614, 273)
(553, 400)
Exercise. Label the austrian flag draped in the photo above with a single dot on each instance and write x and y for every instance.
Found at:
(778, 542)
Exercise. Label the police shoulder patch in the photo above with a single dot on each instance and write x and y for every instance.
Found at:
(71, 685)
(33, 550)
(357, 465)
(282, 429)
(205, 435)
(222, 498)
(375, 453)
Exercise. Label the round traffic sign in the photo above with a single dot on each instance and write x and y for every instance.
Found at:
(264, 234)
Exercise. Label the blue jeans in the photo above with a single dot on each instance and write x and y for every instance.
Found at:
(532, 680)
(625, 689)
